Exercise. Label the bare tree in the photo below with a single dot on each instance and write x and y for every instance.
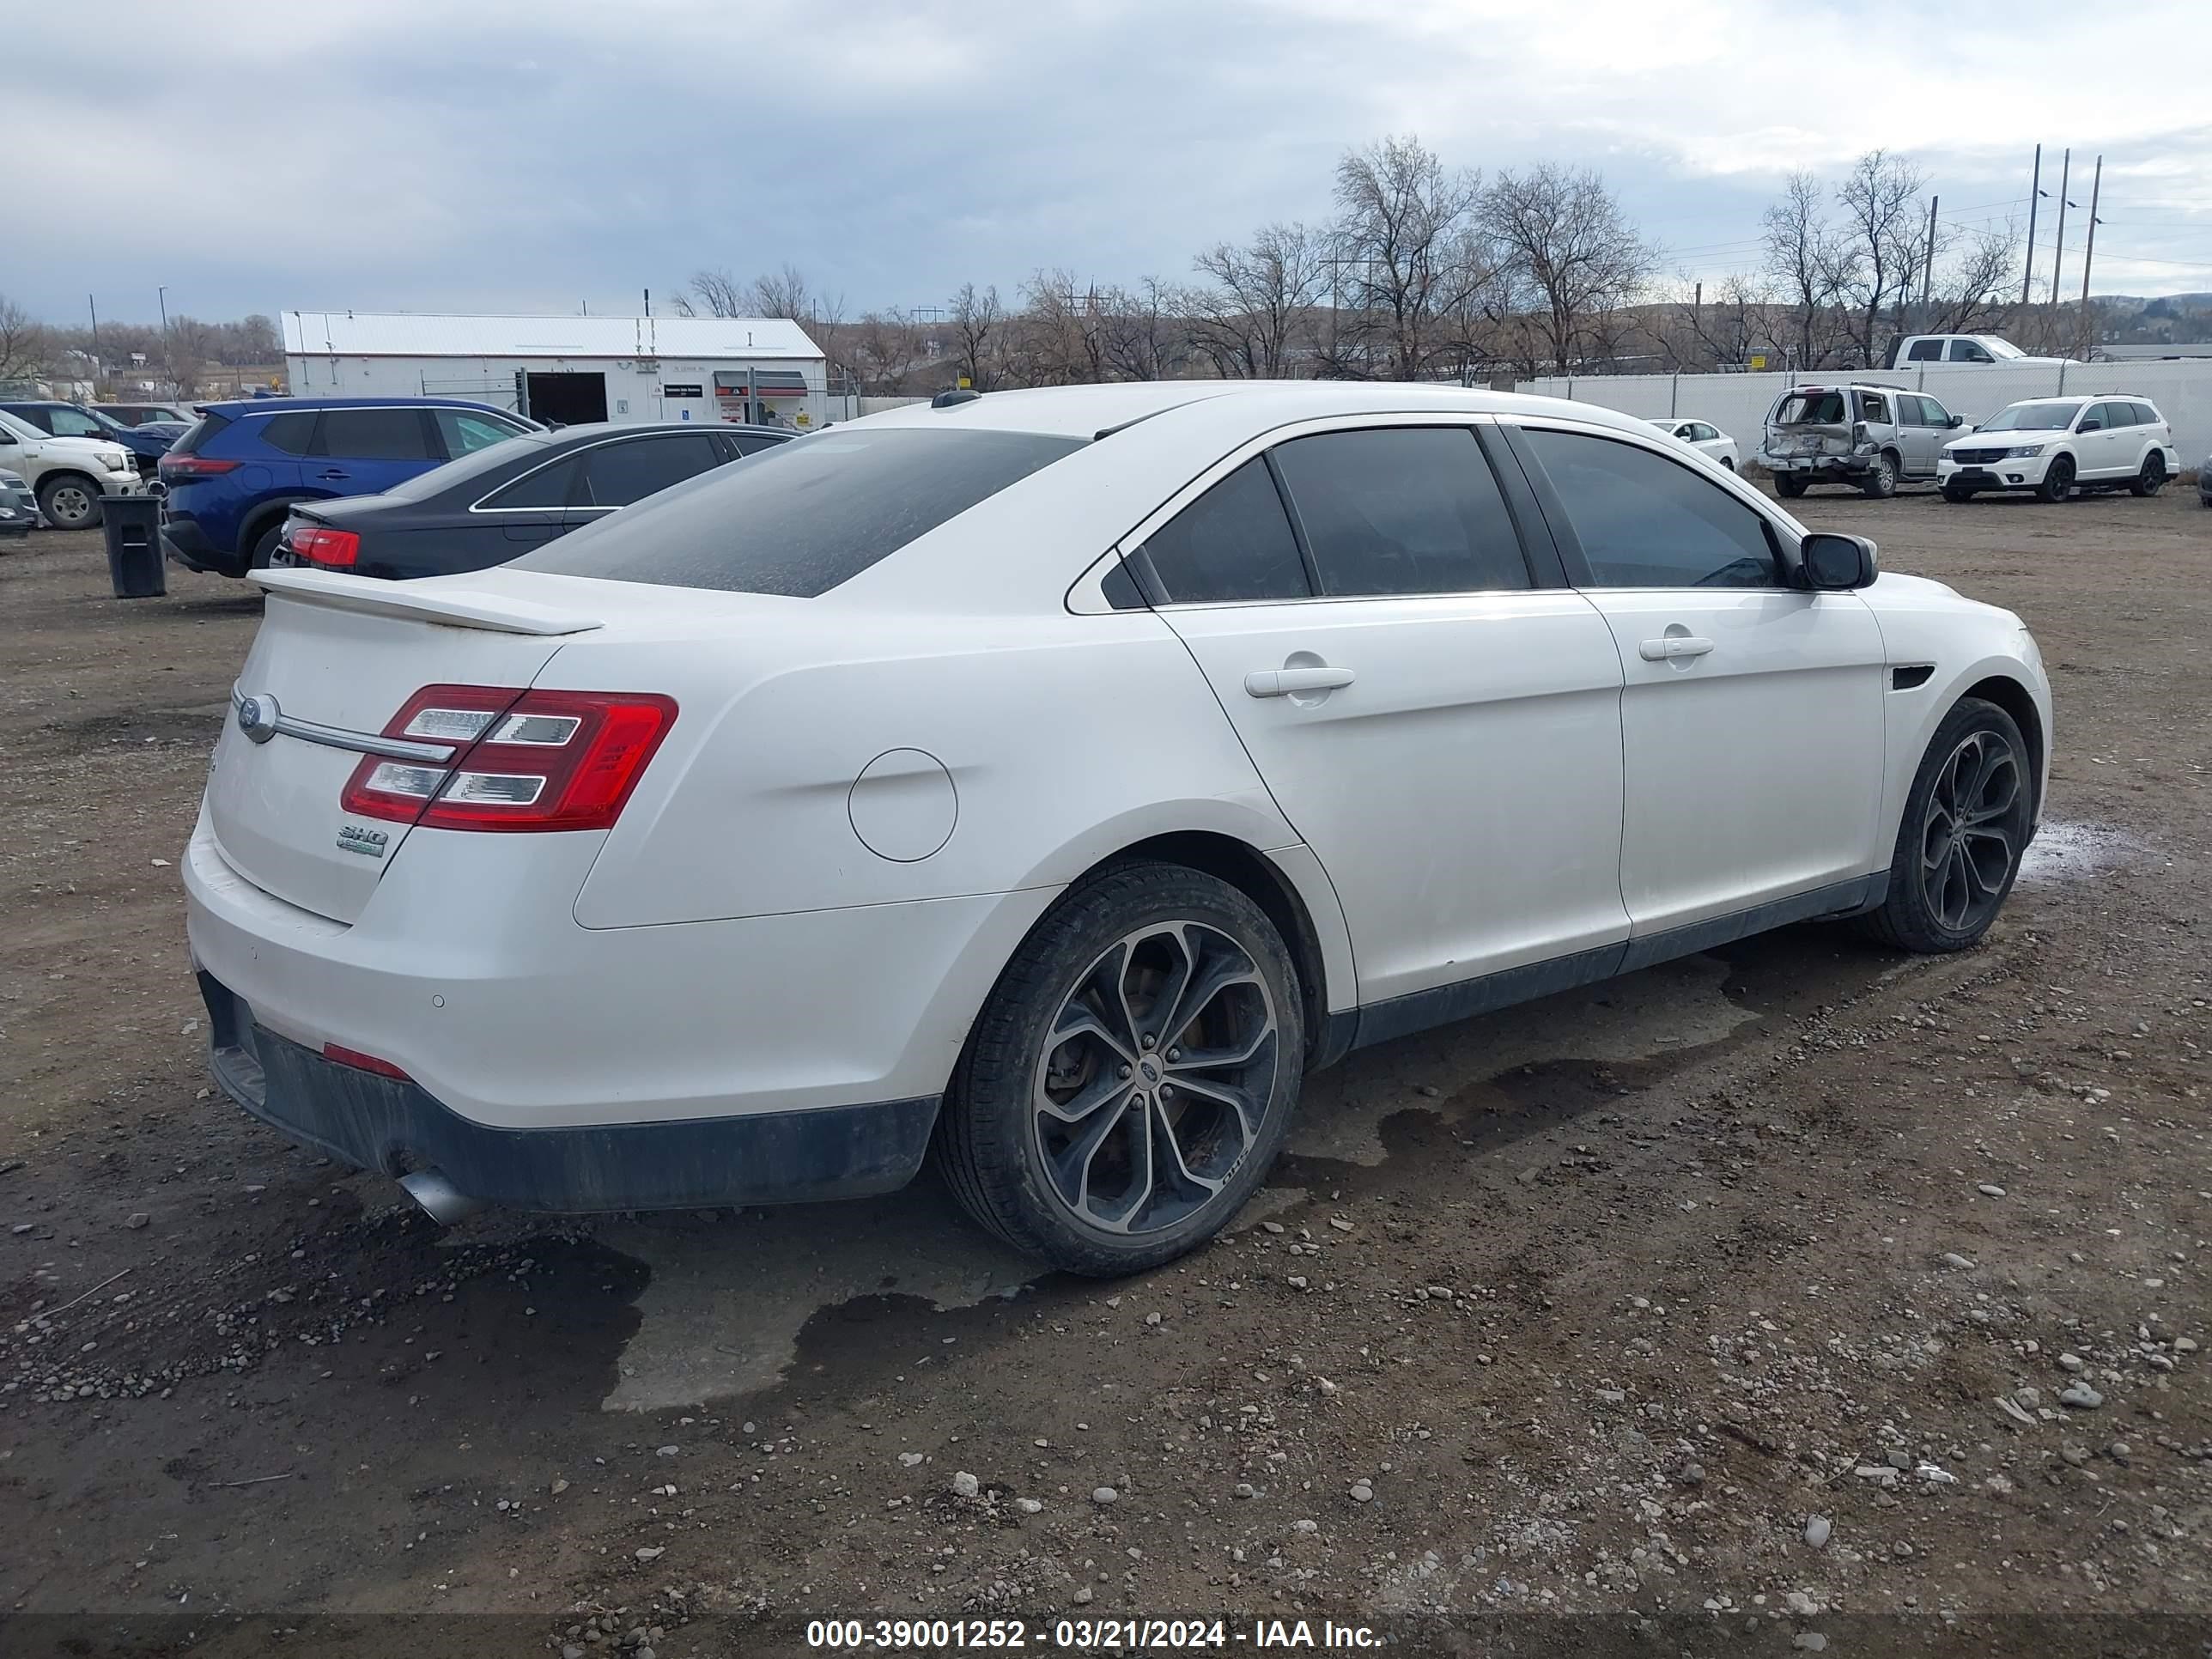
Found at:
(1975, 280)
(716, 292)
(1259, 296)
(1568, 236)
(978, 321)
(1405, 254)
(783, 294)
(1060, 338)
(887, 348)
(1147, 331)
(1804, 257)
(24, 345)
(1883, 243)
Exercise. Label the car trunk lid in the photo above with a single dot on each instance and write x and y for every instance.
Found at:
(336, 659)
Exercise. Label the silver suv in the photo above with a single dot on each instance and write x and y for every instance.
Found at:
(1871, 437)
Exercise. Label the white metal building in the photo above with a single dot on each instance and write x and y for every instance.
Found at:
(568, 369)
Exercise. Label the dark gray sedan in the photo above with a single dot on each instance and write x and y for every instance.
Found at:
(498, 503)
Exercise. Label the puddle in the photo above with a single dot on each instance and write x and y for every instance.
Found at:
(727, 1298)
(2068, 852)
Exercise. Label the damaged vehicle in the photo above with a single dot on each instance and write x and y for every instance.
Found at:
(1872, 438)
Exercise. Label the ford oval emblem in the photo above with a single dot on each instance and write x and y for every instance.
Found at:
(256, 717)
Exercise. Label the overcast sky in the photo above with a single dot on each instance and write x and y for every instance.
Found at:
(261, 154)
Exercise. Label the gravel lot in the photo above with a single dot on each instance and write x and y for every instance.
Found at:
(1760, 1298)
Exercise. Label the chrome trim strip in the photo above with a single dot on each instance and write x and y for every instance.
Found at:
(359, 743)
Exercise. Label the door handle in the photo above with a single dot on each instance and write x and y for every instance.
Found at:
(333, 472)
(1285, 682)
(1674, 647)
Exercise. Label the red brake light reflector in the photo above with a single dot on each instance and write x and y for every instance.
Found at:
(317, 545)
(173, 465)
(362, 1062)
(520, 759)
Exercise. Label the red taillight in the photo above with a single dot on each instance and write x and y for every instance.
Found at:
(316, 545)
(523, 760)
(174, 467)
(362, 1062)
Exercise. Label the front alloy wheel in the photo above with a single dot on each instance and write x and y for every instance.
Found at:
(1133, 1075)
(1966, 823)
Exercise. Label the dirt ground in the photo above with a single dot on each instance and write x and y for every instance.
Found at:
(1730, 1304)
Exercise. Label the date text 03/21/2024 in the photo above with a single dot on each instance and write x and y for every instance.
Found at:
(1082, 1635)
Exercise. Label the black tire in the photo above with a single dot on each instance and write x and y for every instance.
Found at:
(2152, 478)
(1917, 913)
(1881, 482)
(1032, 1037)
(1788, 486)
(1954, 492)
(264, 544)
(2057, 481)
(69, 501)
(1728, 462)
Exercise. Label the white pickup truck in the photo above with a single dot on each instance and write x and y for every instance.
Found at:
(1916, 349)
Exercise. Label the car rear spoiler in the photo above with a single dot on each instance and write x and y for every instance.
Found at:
(422, 601)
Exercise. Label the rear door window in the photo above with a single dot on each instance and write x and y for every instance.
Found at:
(1401, 510)
(1874, 408)
(802, 518)
(1233, 545)
(1925, 351)
(292, 432)
(616, 474)
(376, 434)
(1644, 521)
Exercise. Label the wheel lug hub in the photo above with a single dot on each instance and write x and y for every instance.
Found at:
(1148, 1039)
(1125, 1071)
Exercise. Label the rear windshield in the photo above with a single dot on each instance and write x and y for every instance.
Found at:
(474, 465)
(2032, 418)
(802, 517)
(1811, 408)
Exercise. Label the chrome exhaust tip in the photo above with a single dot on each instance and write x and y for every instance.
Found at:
(438, 1198)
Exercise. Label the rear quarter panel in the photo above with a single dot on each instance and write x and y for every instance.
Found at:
(1065, 738)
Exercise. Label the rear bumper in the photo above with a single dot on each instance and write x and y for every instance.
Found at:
(183, 541)
(391, 1126)
(1819, 468)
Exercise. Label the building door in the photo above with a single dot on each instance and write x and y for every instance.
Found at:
(568, 398)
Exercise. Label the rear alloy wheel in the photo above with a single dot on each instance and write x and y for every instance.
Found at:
(2152, 478)
(2057, 480)
(1788, 486)
(1958, 492)
(1966, 823)
(1881, 482)
(1132, 1077)
(69, 502)
(265, 546)
(1728, 461)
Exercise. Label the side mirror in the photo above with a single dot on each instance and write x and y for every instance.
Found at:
(1834, 563)
(1956, 421)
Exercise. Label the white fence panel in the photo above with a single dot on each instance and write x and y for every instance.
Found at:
(1737, 404)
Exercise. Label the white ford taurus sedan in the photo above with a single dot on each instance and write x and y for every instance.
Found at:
(1054, 779)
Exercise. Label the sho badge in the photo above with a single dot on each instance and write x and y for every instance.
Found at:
(352, 838)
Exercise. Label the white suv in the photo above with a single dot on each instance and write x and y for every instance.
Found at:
(2054, 445)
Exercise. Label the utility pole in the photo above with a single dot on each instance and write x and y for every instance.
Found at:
(168, 354)
(2058, 245)
(90, 306)
(1697, 323)
(2089, 253)
(1928, 270)
(2034, 196)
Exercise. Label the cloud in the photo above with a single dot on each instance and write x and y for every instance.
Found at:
(514, 156)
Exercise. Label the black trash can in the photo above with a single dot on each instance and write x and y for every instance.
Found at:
(133, 527)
